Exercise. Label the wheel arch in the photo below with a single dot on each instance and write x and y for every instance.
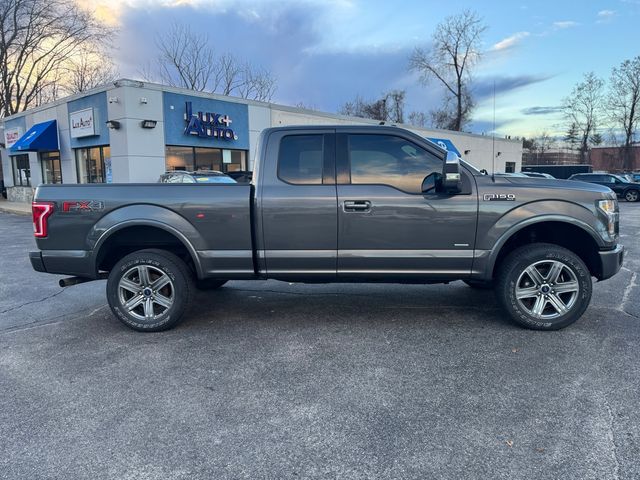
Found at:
(140, 228)
(570, 233)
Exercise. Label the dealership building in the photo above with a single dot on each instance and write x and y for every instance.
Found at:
(132, 131)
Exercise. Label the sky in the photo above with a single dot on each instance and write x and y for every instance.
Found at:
(325, 52)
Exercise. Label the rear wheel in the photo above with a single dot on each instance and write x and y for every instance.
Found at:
(149, 290)
(544, 286)
(631, 195)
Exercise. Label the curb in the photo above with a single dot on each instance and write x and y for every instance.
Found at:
(15, 212)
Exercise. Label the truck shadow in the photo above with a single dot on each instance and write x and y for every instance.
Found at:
(273, 301)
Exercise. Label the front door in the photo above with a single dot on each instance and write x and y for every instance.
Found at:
(387, 229)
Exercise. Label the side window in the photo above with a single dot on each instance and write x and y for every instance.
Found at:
(300, 159)
(390, 160)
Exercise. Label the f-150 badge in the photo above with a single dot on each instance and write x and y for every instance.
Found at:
(499, 197)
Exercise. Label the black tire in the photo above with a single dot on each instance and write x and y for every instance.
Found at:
(479, 285)
(173, 297)
(573, 276)
(631, 195)
(209, 284)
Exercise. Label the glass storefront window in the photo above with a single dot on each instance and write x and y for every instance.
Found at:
(198, 158)
(179, 158)
(208, 159)
(21, 171)
(238, 161)
(51, 168)
(90, 164)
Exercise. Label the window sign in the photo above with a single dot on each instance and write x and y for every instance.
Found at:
(82, 123)
(108, 175)
(11, 136)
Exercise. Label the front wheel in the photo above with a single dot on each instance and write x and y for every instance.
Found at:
(631, 195)
(149, 290)
(544, 286)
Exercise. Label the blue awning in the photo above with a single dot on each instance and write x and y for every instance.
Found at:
(41, 137)
(446, 144)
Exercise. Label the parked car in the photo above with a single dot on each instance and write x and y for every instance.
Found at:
(335, 204)
(630, 191)
(201, 176)
(633, 177)
(538, 175)
(241, 176)
(510, 174)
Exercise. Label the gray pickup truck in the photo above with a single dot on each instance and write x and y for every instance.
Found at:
(335, 204)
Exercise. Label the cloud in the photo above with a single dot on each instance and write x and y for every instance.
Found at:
(605, 16)
(287, 40)
(510, 42)
(561, 25)
(483, 87)
(606, 13)
(537, 110)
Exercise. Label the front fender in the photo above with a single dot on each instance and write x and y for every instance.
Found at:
(496, 235)
(146, 215)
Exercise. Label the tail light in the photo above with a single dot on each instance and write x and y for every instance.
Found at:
(41, 213)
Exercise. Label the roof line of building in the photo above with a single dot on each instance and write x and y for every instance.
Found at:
(126, 82)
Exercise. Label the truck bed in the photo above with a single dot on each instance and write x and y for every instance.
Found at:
(212, 220)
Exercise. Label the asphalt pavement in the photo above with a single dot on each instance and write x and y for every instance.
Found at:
(269, 380)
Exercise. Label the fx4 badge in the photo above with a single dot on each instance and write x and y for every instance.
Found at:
(85, 206)
(499, 197)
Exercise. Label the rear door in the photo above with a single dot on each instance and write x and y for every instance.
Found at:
(386, 227)
(298, 203)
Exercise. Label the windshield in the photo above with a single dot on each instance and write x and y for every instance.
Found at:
(213, 179)
(622, 179)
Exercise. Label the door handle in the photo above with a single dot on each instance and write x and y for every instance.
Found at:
(356, 206)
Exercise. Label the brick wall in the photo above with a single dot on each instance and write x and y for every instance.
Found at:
(610, 159)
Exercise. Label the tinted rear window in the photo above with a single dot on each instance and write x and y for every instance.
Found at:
(300, 159)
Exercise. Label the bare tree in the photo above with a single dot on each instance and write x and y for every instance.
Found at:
(258, 84)
(88, 70)
(188, 60)
(623, 104)
(37, 38)
(583, 107)
(544, 142)
(395, 98)
(418, 119)
(388, 108)
(454, 51)
(185, 59)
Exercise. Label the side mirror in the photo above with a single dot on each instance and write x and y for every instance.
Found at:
(432, 182)
(451, 180)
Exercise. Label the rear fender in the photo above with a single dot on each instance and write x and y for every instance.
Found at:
(146, 215)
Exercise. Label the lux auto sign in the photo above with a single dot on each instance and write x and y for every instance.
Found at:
(208, 125)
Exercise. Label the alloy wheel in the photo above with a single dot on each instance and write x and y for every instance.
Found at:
(146, 292)
(547, 289)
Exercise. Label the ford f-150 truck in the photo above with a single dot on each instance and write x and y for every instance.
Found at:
(335, 204)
